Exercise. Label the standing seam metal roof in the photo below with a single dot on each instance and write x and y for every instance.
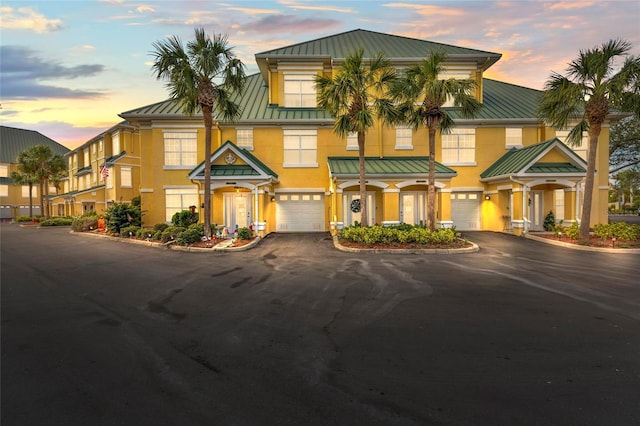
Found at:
(13, 141)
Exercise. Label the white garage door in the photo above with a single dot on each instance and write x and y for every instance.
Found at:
(465, 210)
(300, 212)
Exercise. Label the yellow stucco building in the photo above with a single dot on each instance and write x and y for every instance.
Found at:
(280, 167)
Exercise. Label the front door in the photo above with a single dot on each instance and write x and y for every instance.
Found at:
(413, 206)
(237, 210)
(536, 210)
(352, 212)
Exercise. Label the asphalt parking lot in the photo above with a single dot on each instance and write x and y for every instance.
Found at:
(96, 332)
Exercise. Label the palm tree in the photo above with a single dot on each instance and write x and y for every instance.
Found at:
(422, 93)
(355, 96)
(40, 165)
(203, 76)
(585, 96)
(26, 175)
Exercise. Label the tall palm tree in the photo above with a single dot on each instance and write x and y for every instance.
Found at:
(355, 96)
(203, 76)
(593, 86)
(25, 175)
(422, 93)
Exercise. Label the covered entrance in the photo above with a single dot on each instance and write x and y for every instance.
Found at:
(237, 209)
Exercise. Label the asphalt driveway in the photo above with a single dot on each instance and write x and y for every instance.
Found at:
(296, 332)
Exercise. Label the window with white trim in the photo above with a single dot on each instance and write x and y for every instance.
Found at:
(244, 138)
(93, 149)
(4, 170)
(125, 177)
(178, 199)
(87, 180)
(300, 148)
(4, 190)
(582, 149)
(109, 182)
(459, 147)
(352, 141)
(53, 190)
(559, 204)
(25, 191)
(300, 90)
(180, 149)
(115, 144)
(81, 182)
(100, 145)
(513, 137)
(86, 158)
(404, 137)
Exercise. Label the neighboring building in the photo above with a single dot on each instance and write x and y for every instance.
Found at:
(281, 168)
(108, 162)
(14, 198)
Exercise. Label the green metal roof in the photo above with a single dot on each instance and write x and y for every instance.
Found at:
(554, 168)
(388, 166)
(522, 160)
(230, 170)
(13, 141)
(395, 47)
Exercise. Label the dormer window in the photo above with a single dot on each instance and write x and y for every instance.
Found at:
(299, 90)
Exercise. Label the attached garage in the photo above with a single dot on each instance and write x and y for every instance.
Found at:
(300, 212)
(465, 210)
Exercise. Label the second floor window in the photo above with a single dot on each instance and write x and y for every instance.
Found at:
(125, 177)
(403, 138)
(352, 141)
(459, 147)
(115, 144)
(245, 138)
(4, 170)
(86, 158)
(300, 148)
(25, 191)
(513, 136)
(299, 90)
(581, 149)
(180, 149)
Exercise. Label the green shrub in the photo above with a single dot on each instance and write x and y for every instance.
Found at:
(171, 233)
(57, 221)
(399, 234)
(84, 224)
(244, 233)
(122, 215)
(184, 218)
(618, 230)
(129, 231)
(157, 236)
(549, 221)
(23, 219)
(573, 231)
(160, 226)
(188, 236)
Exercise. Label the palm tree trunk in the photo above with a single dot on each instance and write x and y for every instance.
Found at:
(46, 199)
(30, 199)
(363, 183)
(207, 113)
(594, 133)
(41, 185)
(431, 191)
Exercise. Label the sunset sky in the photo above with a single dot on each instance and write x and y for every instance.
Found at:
(69, 67)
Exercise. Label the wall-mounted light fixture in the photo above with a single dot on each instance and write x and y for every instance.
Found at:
(487, 197)
(273, 199)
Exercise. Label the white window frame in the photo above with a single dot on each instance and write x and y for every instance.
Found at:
(458, 140)
(582, 150)
(300, 147)
(299, 90)
(4, 190)
(181, 147)
(404, 138)
(109, 182)
(244, 138)
(178, 199)
(87, 157)
(87, 180)
(513, 137)
(100, 145)
(4, 170)
(352, 141)
(126, 177)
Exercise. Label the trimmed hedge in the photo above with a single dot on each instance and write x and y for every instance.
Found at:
(397, 235)
(57, 221)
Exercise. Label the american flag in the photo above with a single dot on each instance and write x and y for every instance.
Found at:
(104, 171)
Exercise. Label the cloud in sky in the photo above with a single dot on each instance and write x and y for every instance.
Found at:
(26, 18)
(23, 72)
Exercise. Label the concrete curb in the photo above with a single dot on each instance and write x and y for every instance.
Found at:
(170, 246)
(473, 249)
(583, 248)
